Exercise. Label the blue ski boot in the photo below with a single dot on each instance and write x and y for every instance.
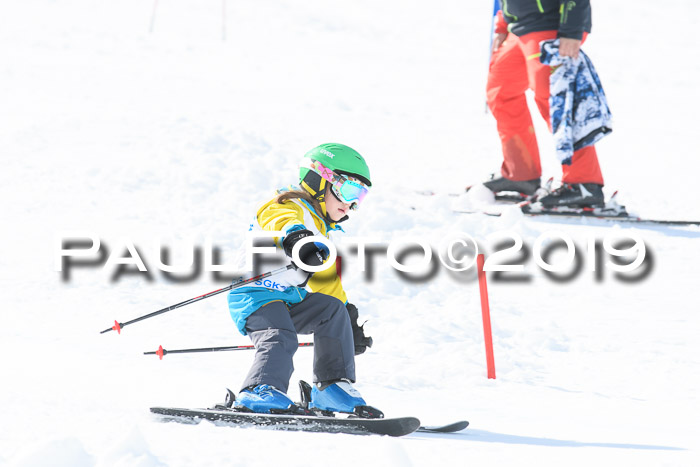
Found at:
(340, 396)
(263, 399)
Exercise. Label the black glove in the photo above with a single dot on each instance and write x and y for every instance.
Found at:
(358, 332)
(312, 254)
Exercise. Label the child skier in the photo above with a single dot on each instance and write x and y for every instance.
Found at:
(334, 179)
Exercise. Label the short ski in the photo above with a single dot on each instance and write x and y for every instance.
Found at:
(451, 428)
(355, 426)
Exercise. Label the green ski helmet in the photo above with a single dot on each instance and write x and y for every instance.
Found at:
(340, 159)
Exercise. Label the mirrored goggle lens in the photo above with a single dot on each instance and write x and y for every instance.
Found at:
(350, 191)
(346, 190)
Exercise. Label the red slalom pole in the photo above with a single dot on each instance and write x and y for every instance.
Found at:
(485, 314)
(339, 266)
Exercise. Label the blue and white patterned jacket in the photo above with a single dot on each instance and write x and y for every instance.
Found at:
(578, 108)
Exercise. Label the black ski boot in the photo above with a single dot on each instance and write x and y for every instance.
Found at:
(575, 195)
(498, 184)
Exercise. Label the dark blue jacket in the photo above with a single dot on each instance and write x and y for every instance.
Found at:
(570, 17)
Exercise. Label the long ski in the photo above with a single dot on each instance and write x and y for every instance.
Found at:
(630, 219)
(586, 214)
(612, 211)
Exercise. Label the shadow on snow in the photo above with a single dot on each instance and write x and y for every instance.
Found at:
(491, 437)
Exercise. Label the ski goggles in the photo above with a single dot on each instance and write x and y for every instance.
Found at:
(347, 189)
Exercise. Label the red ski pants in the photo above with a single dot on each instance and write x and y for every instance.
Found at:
(514, 68)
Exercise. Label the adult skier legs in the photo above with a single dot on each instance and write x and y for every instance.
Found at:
(514, 68)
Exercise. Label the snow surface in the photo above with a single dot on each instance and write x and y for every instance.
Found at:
(136, 126)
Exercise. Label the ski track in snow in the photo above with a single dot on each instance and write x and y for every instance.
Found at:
(177, 133)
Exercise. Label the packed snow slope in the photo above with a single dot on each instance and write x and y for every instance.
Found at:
(141, 122)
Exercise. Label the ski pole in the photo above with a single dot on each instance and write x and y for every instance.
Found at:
(118, 326)
(161, 352)
(153, 15)
(223, 20)
(496, 7)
